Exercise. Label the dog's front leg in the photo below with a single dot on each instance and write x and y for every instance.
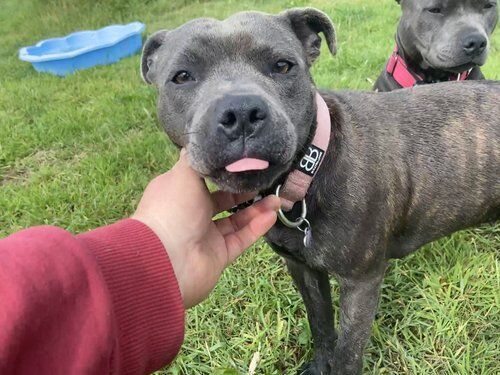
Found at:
(358, 304)
(314, 286)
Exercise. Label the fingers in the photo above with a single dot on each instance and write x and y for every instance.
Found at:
(245, 227)
(187, 179)
(238, 241)
(224, 201)
(238, 220)
(183, 165)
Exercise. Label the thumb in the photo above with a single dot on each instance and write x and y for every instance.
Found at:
(240, 240)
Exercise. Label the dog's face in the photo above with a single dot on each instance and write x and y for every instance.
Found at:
(450, 35)
(238, 93)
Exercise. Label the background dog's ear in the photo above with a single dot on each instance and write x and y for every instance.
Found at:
(307, 23)
(152, 44)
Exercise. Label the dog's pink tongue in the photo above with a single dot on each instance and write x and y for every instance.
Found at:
(247, 164)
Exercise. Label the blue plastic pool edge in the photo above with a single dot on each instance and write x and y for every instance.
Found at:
(62, 64)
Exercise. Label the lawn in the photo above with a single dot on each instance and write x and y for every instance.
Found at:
(77, 152)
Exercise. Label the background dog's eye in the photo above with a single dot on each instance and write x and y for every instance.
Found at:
(182, 77)
(282, 67)
(435, 10)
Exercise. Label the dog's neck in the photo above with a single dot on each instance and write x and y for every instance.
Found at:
(298, 180)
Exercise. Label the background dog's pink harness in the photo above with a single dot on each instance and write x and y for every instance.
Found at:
(398, 69)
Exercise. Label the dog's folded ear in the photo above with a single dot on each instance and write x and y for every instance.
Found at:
(307, 23)
(148, 58)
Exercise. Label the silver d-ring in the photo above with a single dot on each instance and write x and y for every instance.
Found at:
(292, 224)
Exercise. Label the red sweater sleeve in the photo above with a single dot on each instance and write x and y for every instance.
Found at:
(103, 302)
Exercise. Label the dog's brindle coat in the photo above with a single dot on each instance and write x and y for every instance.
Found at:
(440, 38)
(403, 168)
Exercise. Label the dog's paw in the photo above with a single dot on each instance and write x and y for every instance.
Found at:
(312, 368)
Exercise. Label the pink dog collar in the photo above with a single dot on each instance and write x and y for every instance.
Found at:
(297, 184)
(298, 181)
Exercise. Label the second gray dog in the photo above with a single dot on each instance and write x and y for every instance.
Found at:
(402, 169)
(439, 40)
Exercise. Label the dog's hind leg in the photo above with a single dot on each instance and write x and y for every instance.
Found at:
(314, 286)
(358, 304)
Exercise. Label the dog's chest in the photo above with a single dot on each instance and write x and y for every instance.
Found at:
(320, 254)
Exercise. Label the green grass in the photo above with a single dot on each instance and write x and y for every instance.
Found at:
(77, 152)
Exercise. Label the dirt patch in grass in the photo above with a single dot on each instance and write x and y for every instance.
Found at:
(24, 169)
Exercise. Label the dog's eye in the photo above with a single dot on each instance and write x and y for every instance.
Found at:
(435, 10)
(489, 5)
(282, 67)
(182, 77)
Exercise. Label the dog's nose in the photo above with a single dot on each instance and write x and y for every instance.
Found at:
(241, 115)
(474, 44)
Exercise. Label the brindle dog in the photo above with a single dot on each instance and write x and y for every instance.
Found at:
(403, 168)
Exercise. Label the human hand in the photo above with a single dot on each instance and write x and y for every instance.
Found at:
(178, 207)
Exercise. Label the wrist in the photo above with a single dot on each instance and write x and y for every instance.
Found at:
(135, 268)
(169, 245)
